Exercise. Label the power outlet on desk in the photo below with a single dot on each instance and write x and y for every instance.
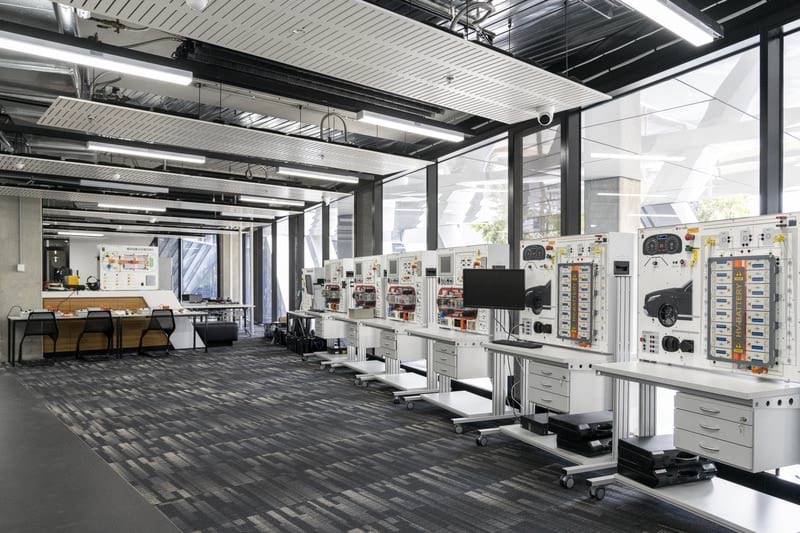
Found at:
(20, 267)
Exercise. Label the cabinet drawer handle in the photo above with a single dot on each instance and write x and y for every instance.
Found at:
(708, 448)
(710, 411)
(546, 385)
(548, 400)
(708, 428)
(546, 373)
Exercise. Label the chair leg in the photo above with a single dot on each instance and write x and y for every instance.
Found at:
(141, 341)
(78, 347)
(19, 352)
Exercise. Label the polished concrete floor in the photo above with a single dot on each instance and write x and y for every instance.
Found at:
(251, 438)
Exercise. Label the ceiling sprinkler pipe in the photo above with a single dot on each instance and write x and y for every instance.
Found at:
(488, 8)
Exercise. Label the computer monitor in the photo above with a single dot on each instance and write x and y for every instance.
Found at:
(494, 289)
(309, 284)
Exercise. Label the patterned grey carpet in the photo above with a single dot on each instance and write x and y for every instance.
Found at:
(251, 438)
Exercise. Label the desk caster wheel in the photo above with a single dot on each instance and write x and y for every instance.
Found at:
(598, 493)
(567, 481)
(331, 370)
(356, 382)
(365, 384)
(481, 441)
(304, 358)
(410, 406)
(459, 429)
(396, 401)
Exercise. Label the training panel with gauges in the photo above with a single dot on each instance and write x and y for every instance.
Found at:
(568, 284)
(405, 289)
(721, 295)
(336, 290)
(368, 284)
(451, 263)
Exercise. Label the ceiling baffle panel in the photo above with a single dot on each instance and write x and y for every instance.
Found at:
(362, 43)
(134, 202)
(157, 178)
(143, 228)
(195, 222)
(147, 126)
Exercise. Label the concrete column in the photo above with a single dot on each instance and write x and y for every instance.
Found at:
(611, 213)
(21, 242)
(230, 267)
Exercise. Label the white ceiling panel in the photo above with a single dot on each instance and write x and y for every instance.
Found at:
(138, 125)
(161, 179)
(47, 194)
(157, 218)
(364, 44)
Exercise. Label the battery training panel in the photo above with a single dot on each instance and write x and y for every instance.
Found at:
(741, 315)
(576, 301)
(721, 295)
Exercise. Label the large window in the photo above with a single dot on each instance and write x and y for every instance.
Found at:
(195, 264)
(312, 238)
(247, 268)
(473, 196)
(266, 273)
(404, 213)
(681, 151)
(541, 184)
(341, 228)
(282, 247)
(791, 123)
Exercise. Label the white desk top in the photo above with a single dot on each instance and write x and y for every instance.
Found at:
(459, 338)
(551, 354)
(302, 314)
(178, 314)
(695, 380)
(388, 325)
(344, 318)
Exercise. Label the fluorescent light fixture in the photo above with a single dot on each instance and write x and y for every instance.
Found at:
(283, 171)
(242, 215)
(80, 234)
(133, 207)
(52, 50)
(631, 195)
(145, 153)
(123, 186)
(679, 17)
(636, 157)
(272, 201)
(409, 126)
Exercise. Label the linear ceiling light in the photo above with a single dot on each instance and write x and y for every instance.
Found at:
(409, 126)
(123, 186)
(242, 215)
(52, 50)
(145, 152)
(283, 171)
(679, 17)
(133, 207)
(636, 157)
(271, 201)
(80, 234)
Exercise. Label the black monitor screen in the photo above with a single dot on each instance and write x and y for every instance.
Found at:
(494, 289)
(309, 284)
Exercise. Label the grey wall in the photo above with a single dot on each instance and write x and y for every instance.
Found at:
(19, 217)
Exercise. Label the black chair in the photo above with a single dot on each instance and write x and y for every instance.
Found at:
(97, 322)
(160, 320)
(40, 324)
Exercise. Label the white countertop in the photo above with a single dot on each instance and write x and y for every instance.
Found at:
(695, 380)
(551, 354)
(449, 336)
(385, 324)
(218, 306)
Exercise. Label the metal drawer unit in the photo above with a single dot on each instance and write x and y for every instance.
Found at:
(328, 328)
(755, 437)
(567, 389)
(460, 362)
(361, 336)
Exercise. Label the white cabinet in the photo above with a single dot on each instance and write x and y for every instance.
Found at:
(566, 389)
(460, 362)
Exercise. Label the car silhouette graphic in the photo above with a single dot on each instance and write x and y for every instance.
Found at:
(670, 305)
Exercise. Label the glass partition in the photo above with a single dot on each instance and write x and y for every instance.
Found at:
(404, 213)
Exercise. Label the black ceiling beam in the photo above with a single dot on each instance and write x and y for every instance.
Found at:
(198, 216)
(82, 137)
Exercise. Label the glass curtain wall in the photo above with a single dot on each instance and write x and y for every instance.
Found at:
(170, 249)
(341, 228)
(282, 246)
(312, 238)
(266, 273)
(541, 184)
(195, 264)
(247, 264)
(473, 196)
(404, 213)
(791, 122)
(683, 150)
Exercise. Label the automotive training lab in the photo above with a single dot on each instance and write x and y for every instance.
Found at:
(400, 265)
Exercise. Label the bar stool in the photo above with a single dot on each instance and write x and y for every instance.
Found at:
(97, 322)
(162, 320)
(40, 324)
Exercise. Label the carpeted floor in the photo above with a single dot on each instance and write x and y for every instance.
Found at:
(251, 438)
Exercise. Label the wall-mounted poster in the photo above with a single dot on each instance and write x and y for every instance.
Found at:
(124, 268)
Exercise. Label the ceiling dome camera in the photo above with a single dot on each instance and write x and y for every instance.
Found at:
(546, 114)
(197, 5)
